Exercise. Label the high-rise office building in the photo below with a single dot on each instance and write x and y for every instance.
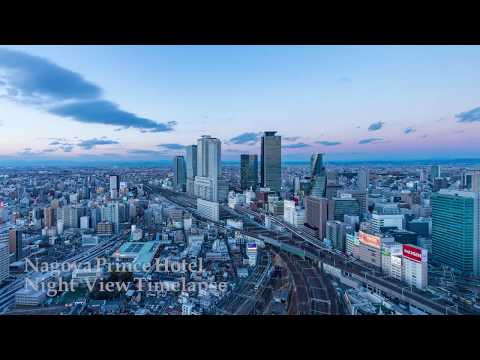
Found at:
(49, 217)
(386, 216)
(248, 171)
(208, 157)
(434, 172)
(15, 242)
(455, 230)
(336, 234)
(191, 162)
(179, 173)
(114, 186)
(338, 207)
(4, 261)
(271, 161)
(206, 185)
(318, 176)
(471, 180)
(316, 214)
(363, 178)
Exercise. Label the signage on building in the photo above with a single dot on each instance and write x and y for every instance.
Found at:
(412, 253)
(369, 239)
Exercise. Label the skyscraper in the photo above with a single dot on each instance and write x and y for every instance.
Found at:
(434, 172)
(472, 180)
(191, 160)
(208, 183)
(179, 173)
(318, 177)
(4, 261)
(455, 230)
(49, 217)
(4, 253)
(271, 161)
(248, 171)
(316, 214)
(15, 243)
(363, 177)
(208, 157)
(114, 186)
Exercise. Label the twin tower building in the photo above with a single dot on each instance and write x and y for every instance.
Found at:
(200, 172)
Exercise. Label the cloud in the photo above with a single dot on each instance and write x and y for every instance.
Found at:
(296, 146)
(28, 152)
(108, 113)
(376, 126)
(328, 143)
(49, 150)
(246, 138)
(369, 141)
(409, 130)
(35, 77)
(145, 152)
(91, 143)
(345, 79)
(172, 146)
(291, 138)
(33, 80)
(469, 116)
(67, 148)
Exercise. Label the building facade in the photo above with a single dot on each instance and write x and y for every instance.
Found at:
(271, 161)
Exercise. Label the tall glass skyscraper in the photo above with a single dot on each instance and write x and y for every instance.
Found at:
(271, 161)
(180, 174)
(191, 160)
(319, 176)
(248, 171)
(455, 230)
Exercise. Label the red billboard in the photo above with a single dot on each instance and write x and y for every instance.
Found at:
(412, 253)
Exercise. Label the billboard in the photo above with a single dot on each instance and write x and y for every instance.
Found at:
(412, 253)
(369, 239)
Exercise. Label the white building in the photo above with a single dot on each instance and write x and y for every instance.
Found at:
(90, 240)
(29, 297)
(251, 249)
(379, 220)
(208, 209)
(84, 222)
(415, 266)
(392, 260)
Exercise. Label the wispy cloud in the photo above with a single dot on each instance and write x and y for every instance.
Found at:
(296, 146)
(145, 152)
(246, 138)
(345, 79)
(171, 146)
(469, 116)
(369, 141)
(91, 143)
(33, 80)
(376, 126)
(409, 130)
(290, 138)
(328, 143)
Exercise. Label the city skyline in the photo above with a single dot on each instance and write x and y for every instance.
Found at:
(351, 102)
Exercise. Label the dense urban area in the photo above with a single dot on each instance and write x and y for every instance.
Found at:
(262, 237)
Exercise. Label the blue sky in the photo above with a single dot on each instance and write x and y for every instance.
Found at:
(146, 102)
